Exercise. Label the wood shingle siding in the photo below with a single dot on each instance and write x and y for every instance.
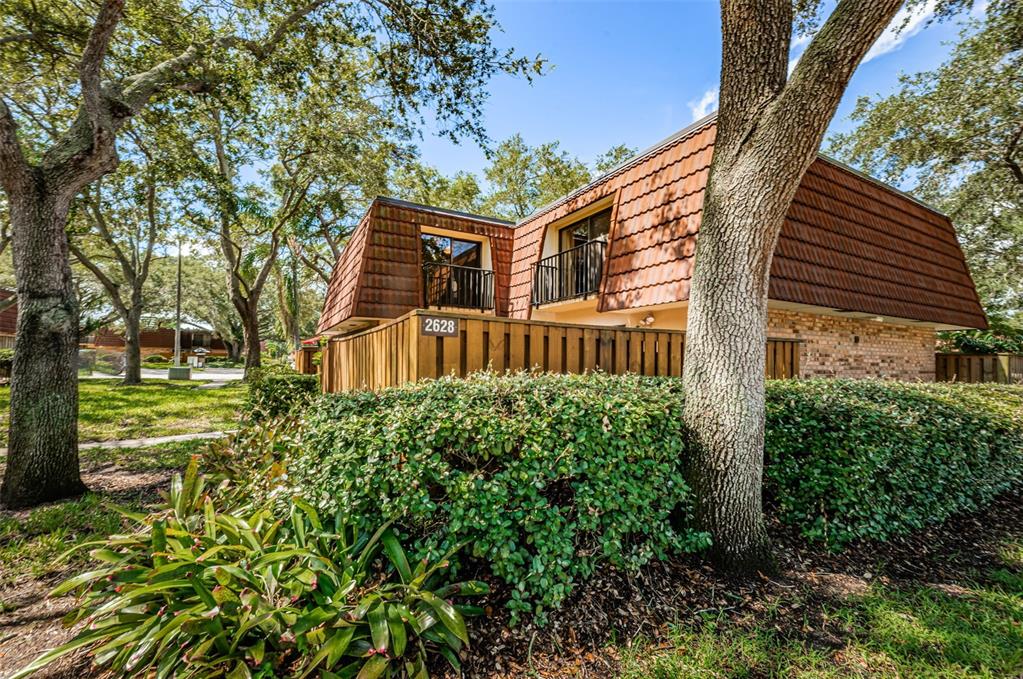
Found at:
(848, 243)
(379, 274)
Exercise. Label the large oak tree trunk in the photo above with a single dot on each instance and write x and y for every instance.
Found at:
(42, 455)
(768, 132)
(725, 364)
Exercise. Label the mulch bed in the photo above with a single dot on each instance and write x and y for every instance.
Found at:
(617, 608)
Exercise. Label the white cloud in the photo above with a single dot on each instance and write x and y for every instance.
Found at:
(907, 23)
(793, 61)
(707, 103)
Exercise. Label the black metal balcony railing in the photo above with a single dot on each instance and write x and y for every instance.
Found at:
(466, 287)
(568, 274)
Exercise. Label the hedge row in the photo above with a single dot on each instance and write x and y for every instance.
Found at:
(546, 477)
(543, 477)
(863, 459)
(275, 393)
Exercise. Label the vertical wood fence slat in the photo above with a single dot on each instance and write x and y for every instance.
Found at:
(978, 368)
(399, 352)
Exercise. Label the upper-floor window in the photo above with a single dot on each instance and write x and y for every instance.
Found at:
(594, 227)
(445, 250)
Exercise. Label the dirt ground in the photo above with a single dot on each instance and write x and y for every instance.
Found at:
(30, 621)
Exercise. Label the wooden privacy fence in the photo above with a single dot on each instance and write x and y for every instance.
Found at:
(1000, 368)
(304, 360)
(433, 344)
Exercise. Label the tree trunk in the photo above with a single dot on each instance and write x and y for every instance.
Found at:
(42, 455)
(724, 366)
(248, 309)
(769, 129)
(132, 348)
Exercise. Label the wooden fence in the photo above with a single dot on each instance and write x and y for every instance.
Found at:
(6, 341)
(1000, 368)
(304, 360)
(433, 344)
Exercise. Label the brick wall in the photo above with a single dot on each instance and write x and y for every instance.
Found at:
(844, 347)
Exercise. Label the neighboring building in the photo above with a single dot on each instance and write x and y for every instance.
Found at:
(863, 274)
(160, 340)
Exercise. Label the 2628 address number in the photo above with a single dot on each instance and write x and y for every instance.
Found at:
(437, 326)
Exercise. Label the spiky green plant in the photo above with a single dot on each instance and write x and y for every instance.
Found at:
(197, 592)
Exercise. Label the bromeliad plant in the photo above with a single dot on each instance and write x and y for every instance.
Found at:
(197, 592)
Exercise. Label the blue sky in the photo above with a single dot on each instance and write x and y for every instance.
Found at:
(633, 71)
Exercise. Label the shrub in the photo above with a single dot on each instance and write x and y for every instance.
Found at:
(272, 396)
(205, 593)
(222, 362)
(548, 476)
(847, 459)
(545, 477)
(109, 362)
(156, 358)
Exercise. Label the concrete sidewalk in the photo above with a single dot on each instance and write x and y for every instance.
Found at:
(151, 441)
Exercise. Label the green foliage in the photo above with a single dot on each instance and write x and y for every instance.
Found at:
(1005, 335)
(848, 460)
(204, 592)
(275, 395)
(6, 358)
(545, 477)
(548, 476)
(157, 359)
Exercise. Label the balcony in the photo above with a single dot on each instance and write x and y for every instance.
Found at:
(463, 287)
(569, 274)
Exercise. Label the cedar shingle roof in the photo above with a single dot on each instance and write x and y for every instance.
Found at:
(379, 273)
(848, 243)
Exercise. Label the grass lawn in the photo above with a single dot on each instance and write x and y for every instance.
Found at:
(108, 411)
(32, 541)
(917, 630)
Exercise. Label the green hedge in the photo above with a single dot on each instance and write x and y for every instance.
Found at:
(864, 459)
(275, 395)
(544, 477)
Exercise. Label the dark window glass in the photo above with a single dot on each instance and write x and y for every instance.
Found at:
(444, 250)
(466, 253)
(594, 227)
(436, 249)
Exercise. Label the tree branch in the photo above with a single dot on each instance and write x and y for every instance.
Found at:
(820, 78)
(1010, 152)
(14, 170)
(91, 65)
(112, 288)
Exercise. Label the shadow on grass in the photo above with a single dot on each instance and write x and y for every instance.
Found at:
(973, 630)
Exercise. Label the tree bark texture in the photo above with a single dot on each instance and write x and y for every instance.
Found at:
(132, 348)
(768, 132)
(248, 309)
(42, 457)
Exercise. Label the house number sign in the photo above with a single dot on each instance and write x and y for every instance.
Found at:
(438, 326)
